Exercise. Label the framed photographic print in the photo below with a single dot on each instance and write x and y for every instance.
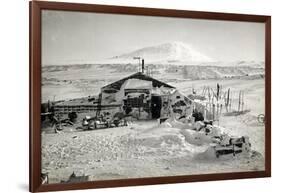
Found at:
(124, 96)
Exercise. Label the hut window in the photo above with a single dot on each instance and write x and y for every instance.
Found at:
(134, 102)
(178, 97)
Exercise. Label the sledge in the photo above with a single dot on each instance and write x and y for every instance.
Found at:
(235, 145)
(92, 123)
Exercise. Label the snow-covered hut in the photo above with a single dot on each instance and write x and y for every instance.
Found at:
(144, 97)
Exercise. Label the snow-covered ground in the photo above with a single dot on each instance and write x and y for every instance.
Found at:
(142, 149)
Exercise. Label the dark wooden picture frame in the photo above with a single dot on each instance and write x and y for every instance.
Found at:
(35, 93)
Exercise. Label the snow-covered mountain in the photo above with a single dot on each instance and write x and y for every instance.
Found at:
(174, 59)
(172, 52)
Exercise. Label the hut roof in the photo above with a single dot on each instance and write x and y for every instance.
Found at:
(138, 84)
(155, 83)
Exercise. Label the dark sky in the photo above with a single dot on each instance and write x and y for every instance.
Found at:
(77, 37)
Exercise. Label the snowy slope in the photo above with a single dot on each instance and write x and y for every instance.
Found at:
(172, 52)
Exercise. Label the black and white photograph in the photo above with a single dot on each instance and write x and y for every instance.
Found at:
(126, 96)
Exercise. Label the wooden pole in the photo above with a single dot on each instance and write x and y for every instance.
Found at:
(205, 111)
(230, 101)
(228, 93)
(239, 102)
(214, 106)
(242, 100)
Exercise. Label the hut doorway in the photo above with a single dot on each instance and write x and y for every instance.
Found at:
(156, 104)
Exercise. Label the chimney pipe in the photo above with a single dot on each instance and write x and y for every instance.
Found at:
(142, 65)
